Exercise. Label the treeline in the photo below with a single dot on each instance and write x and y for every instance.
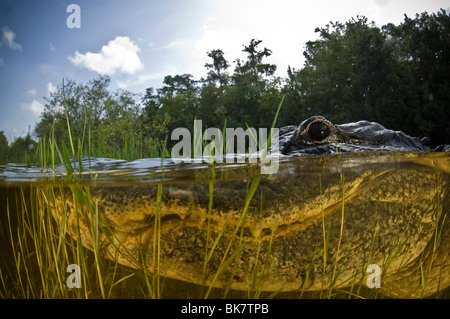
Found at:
(397, 75)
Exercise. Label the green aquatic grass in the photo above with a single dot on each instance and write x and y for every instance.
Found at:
(225, 262)
(333, 276)
(40, 248)
(52, 150)
(157, 244)
(43, 250)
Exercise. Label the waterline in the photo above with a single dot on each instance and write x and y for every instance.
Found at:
(215, 146)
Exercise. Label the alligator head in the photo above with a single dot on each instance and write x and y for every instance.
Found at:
(317, 135)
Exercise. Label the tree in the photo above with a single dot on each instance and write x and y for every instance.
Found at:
(217, 71)
(250, 80)
(179, 101)
(53, 117)
(92, 110)
(345, 71)
(396, 75)
(154, 124)
(253, 67)
(120, 119)
(422, 48)
(3, 147)
(22, 148)
(210, 108)
(178, 84)
(349, 73)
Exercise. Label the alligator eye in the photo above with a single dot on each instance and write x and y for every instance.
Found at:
(319, 131)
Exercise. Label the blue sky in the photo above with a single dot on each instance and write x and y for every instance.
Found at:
(138, 42)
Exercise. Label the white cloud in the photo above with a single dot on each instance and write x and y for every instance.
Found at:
(285, 26)
(119, 55)
(52, 47)
(9, 37)
(143, 78)
(2, 62)
(34, 107)
(172, 44)
(50, 88)
(32, 92)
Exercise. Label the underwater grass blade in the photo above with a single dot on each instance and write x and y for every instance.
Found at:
(341, 229)
(324, 234)
(257, 286)
(16, 254)
(224, 262)
(208, 229)
(157, 245)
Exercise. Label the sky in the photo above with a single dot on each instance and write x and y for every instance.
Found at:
(138, 42)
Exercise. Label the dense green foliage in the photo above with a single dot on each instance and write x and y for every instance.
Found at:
(395, 75)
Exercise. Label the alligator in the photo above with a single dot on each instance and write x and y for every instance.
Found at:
(317, 135)
(296, 230)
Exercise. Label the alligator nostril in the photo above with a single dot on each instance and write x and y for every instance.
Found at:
(318, 131)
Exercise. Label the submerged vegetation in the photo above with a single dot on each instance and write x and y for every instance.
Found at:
(396, 75)
(354, 71)
(47, 227)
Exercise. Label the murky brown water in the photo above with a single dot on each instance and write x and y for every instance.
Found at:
(30, 249)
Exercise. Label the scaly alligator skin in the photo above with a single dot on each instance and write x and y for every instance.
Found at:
(317, 135)
(301, 230)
